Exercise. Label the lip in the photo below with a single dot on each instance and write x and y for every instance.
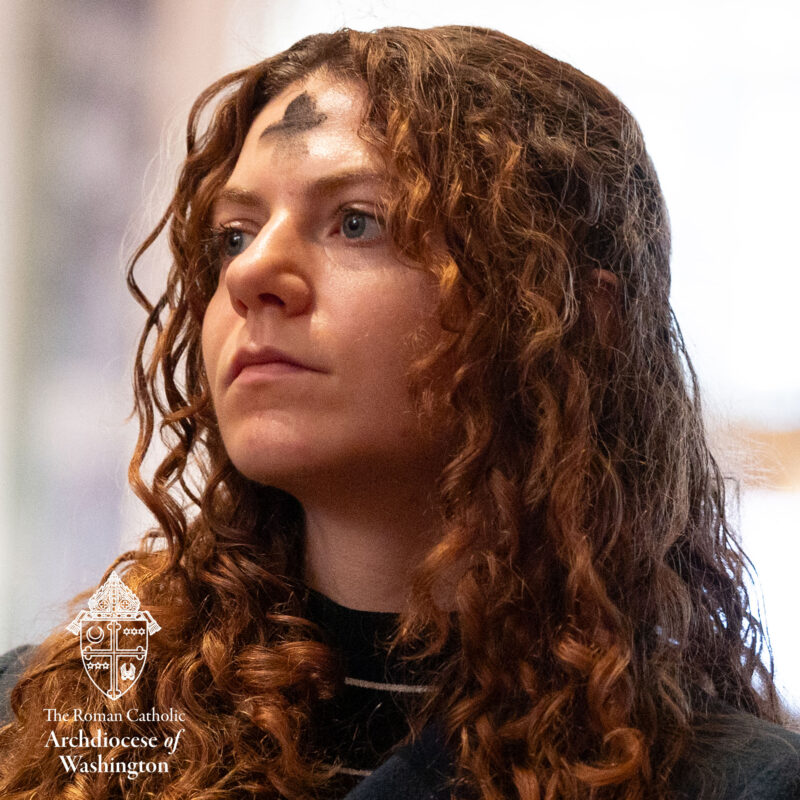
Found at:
(265, 362)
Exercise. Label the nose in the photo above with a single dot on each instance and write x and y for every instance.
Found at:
(270, 272)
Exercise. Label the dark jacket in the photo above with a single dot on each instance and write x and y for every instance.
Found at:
(748, 759)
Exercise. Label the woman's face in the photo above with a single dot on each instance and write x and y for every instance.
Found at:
(315, 320)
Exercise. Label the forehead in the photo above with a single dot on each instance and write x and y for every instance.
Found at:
(305, 136)
(315, 104)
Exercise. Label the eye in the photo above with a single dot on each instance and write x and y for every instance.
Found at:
(224, 243)
(359, 225)
(233, 242)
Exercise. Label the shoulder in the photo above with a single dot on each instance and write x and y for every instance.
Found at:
(737, 756)
(419, 771)
(12, 665)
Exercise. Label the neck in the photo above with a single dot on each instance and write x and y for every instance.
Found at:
(362, 543)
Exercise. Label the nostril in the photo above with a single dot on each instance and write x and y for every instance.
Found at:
(268, 298)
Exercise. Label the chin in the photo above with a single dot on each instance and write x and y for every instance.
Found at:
(279, 470)
(266, 453)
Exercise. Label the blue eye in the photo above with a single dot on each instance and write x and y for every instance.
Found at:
(359, 225)
(225, 243)
(233, 242)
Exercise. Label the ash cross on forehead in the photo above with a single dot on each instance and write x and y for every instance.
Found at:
(300, 115)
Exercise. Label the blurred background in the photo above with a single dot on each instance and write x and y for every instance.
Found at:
(93, 101)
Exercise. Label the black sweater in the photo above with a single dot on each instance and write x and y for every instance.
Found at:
(378, 691)
(747, 759)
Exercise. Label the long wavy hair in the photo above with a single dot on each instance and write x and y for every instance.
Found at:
(599, 592)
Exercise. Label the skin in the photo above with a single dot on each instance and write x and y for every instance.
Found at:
(306, 268)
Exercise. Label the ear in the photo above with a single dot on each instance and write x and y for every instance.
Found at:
(605, 304)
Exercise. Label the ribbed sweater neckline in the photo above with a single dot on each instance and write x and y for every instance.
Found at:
(362, 638)
(358, 728)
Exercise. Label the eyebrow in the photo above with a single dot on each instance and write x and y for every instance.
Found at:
(330, 184)
(322, 187)
(239, 197)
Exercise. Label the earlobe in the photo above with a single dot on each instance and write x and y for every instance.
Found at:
(605, 277)
(605, 303)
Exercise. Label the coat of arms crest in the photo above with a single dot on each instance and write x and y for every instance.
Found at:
(114, 637)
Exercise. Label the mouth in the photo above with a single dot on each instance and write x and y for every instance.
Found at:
(265, 362)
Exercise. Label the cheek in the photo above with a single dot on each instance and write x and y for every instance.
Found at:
(414, 318)
(388, 331)
(211, 339)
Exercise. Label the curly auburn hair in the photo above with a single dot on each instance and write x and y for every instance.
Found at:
(600, 587)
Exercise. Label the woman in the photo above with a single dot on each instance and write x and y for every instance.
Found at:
(438, 515)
